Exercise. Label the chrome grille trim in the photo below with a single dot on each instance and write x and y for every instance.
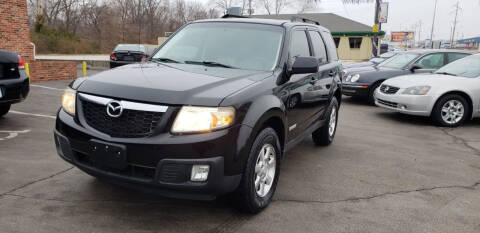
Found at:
(126, 104)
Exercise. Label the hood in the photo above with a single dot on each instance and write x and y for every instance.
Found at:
(176, 84)
(371, 74)
(423, 80)
(359, 64)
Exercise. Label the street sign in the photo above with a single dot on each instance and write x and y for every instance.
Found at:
(375, 28)
(383, 15)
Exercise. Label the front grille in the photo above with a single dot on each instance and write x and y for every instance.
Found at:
(131, 124)
(388, 103)
(388, 89)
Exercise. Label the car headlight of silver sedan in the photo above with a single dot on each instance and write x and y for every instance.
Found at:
(416, 90)
(353, 78)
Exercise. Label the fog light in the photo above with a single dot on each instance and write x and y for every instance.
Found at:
(200, 172)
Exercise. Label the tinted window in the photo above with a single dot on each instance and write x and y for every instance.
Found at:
(331, 48)
(240, 45)
(355, 42)
(456, 56)
(299, 46)
(130, 47)
(431, 61)
(318, 46)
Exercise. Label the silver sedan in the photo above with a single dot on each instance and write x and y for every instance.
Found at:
(449, 96)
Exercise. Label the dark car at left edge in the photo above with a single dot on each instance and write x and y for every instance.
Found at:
(14, 81)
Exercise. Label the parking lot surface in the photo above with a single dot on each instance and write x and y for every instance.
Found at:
(385, 172)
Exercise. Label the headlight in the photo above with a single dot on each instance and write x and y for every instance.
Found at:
(202, 119)
(417, 90)
(68, 101)
(355, 78)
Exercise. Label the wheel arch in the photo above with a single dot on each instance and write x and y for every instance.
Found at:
(460, 93)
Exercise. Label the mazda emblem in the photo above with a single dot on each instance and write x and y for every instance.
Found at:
(114, 109)
(387, 88)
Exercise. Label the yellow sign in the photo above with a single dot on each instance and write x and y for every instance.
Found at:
(375, 28)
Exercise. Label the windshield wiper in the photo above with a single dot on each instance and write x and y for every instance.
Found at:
(210, 63)
(446, 73)
(165, 59)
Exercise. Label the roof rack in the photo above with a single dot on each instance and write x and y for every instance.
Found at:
(304, 20)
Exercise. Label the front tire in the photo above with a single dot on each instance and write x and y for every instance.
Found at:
(450, 111)
(4, 109)
(371, 93)
(324, 135)
(261, 174)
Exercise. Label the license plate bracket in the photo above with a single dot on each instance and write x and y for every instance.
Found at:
(109, 154)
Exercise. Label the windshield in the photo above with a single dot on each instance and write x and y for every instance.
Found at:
(466, 67)
(399, 61)
(233, 45)
(377, 59)
(130, 47)
(387, 54)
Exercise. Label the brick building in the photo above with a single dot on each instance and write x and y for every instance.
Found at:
(15, 36)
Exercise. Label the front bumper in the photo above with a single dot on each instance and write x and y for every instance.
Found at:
(14, 90)
(357, 90)
(420, 105)
(160, 164)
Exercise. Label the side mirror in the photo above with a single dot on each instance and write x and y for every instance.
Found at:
(305, 65)
(415, 67)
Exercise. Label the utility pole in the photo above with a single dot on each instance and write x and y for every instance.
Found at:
(375, 34)
(457, 7)
(433, 22)
(250, 10)
(419, 30)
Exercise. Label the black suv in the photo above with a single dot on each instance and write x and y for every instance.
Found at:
(212, 112)
(14, 81)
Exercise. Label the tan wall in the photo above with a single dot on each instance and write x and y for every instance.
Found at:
(362, 53)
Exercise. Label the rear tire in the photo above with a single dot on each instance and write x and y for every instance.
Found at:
(4, 109)
(261, 173)
(324, 135)
(450, 111)
(371, 93)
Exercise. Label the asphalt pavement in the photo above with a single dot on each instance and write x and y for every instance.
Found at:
(385, 172)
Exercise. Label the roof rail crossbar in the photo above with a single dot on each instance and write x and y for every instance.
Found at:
(304, 20)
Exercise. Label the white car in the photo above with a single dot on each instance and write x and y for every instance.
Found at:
(449, 96)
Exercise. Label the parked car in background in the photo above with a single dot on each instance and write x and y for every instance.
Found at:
(449, 96)
(14, 81)
(362, 82)
(212, 112)
(373, 61)
(124, 54)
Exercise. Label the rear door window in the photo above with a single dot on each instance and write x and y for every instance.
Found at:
(318, 46)
(455, 56)
(330, 44)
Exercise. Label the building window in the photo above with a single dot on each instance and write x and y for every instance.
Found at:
(337, 41)
(355, 42)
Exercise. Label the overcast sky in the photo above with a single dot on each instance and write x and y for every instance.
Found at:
(404, 14)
